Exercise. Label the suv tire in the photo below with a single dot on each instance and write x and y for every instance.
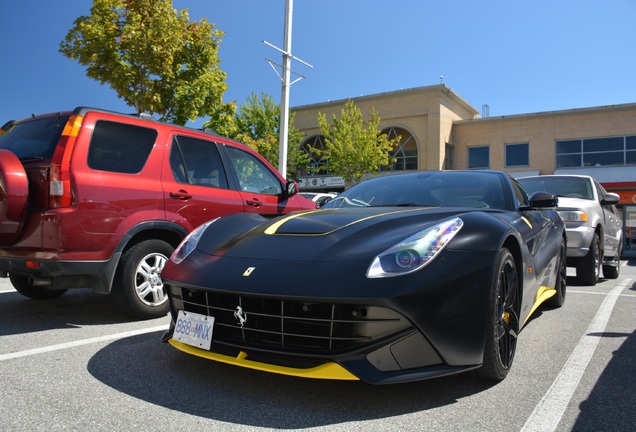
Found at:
(22, 285)
(588, 268)
(138, 289)
(613, 271)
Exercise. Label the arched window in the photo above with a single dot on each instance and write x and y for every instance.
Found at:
(405, 152)
(316, 142)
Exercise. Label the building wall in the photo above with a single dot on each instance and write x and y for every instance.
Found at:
(540, 130)
(426, 112)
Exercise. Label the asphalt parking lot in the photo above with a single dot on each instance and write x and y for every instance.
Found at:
(75, 364)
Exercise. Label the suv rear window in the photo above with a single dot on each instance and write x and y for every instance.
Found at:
(33, 139)
(118, 147)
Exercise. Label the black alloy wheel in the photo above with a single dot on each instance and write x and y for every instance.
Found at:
(503, 320)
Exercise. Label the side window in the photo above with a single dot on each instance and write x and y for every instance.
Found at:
(197, 162)
(520, 193)
(119, 147)
(253, 175)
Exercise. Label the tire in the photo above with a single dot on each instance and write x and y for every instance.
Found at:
(588, 268)
(613, 271)
(14, 192)
(502, 325)
(21, 285)
(138, 290)
(558, 299)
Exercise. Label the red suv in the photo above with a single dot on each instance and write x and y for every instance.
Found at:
(92, 198)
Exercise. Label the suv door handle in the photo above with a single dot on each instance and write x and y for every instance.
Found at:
(254, 202)
(182, 195)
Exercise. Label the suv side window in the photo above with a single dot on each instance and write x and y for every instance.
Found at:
(253, 175)
(120, 147)
(195, 161)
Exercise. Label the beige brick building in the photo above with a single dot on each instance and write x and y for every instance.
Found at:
(440, 130)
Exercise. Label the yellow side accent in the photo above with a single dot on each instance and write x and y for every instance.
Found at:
(526, 221)
(543, 294)
(329, 370)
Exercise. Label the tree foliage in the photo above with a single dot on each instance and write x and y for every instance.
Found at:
(153, 56)
(257, 124)
(354, 147)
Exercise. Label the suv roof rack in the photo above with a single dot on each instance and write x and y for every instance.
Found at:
(209, 131)
(143, 115)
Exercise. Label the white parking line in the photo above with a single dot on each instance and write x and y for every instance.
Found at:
(74, 344)
(548, 413)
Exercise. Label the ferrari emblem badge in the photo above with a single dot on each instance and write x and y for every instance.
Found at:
(248, 271)
(239, 315)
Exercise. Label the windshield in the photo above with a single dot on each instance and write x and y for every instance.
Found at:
(438, 188)
(33, 139)
(563, 186)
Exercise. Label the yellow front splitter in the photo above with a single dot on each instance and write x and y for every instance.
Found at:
(330, 370)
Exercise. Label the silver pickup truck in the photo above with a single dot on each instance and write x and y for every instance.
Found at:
(593, 225)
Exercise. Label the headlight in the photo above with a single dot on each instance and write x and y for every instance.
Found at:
(189, 243)
(573, 216)
(416, 251)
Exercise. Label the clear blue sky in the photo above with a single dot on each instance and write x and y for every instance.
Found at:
(517, 57)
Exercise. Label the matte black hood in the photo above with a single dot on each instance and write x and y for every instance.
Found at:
(324, 235)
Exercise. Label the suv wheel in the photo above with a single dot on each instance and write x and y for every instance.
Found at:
(138, 289)
(613, 271)
(22, 285)
(588, 268)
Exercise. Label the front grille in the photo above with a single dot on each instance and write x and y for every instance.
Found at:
(287, 325)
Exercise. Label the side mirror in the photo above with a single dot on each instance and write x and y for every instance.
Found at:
(291, 187)
(610, 198)
(543, 200)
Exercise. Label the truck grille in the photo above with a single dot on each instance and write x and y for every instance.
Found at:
(287, 325)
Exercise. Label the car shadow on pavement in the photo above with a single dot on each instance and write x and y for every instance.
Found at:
(21, 315)
(610, 405)
(242, 396)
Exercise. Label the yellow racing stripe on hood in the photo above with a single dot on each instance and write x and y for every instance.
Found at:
(273, 228)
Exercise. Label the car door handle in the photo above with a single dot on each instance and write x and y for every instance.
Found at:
(182, 195)
(254, 202)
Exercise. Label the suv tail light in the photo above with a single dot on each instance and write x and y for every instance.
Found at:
(60, 194)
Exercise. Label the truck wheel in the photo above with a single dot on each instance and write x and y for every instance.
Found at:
(588, 268)
(613, 271)
(138, 289)
(21, 285)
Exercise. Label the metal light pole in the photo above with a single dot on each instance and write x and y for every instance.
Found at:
(284, 101)
(285, 78)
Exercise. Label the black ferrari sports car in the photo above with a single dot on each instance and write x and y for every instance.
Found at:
(400, 278)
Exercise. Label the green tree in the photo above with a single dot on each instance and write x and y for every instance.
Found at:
(152, 56)
(354, 147)
(257, 124)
